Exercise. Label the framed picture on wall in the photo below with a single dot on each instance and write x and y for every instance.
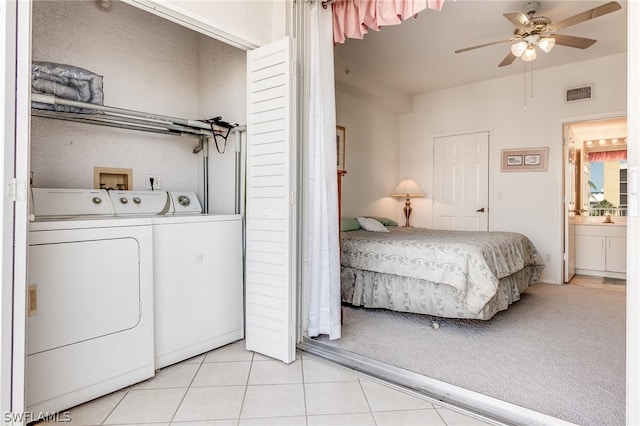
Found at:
(524, 160)
(340, 146)
(514, 160)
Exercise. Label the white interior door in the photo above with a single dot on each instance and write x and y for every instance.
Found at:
(270, 268)
(461, 182)
(570, 196)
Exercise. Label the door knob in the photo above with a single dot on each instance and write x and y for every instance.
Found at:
(480, 210)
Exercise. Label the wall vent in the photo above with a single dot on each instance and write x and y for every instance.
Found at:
(577, 94)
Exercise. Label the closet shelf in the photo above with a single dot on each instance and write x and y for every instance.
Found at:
(121, 118)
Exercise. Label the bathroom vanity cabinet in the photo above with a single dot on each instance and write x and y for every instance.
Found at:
(601, 250)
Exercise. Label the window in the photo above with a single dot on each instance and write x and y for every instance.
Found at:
(607, 183)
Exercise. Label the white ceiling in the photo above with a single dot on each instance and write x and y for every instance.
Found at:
(418, 55)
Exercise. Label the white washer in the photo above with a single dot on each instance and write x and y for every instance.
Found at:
(198, 279)
(90, 323)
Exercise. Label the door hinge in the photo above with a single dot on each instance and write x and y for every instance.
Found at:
(293, 67)
(17, 190)
(292, 198)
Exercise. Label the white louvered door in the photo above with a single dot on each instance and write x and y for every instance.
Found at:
(270, 270)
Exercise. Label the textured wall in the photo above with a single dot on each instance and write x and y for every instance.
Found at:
(222, 76)
(148, 64)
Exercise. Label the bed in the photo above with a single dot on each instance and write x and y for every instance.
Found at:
(454, 274)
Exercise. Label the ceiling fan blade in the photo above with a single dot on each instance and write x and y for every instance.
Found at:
(485, 45)
(573, 41)
(518, 19)
(508, 60)
(586, 15)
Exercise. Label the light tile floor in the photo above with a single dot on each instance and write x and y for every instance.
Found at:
(233, 386)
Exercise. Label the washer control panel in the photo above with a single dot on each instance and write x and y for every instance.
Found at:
(147, 203)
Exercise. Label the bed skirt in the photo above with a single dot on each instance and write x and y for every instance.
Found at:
(378, 290)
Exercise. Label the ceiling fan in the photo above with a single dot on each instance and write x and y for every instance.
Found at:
(539, 31)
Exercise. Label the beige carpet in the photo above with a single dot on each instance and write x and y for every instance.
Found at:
(560, 350)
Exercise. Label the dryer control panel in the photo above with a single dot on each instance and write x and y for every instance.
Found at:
(185, 202)
(49, 203)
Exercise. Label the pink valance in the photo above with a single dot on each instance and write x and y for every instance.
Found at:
(354, 18)
(608, 156)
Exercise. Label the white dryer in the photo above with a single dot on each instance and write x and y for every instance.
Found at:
(198, 277)
(90, 294)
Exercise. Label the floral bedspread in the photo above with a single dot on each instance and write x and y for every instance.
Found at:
(470, 262)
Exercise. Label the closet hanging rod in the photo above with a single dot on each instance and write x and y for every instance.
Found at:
(124, 118)
(115, 119)
(52, 100)
(119, 122)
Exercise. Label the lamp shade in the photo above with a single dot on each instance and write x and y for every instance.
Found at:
(529, 54)
(518, 48)
(546, 44)
(407, 189)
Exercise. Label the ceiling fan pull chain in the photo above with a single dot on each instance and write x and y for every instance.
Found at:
(531, 78)
(524, 85)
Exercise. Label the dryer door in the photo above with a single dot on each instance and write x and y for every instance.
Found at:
(82, 290)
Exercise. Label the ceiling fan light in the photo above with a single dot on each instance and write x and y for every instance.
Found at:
(546, 44)
(518, 48)
(529, 54)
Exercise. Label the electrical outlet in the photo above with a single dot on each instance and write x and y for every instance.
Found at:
(547, 258)
(157, 181)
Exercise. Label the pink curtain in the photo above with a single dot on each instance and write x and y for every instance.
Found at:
(608, 156)
(354, 18)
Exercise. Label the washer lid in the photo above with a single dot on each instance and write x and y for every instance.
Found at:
(68, 202)
(185, 202)
(140, 203)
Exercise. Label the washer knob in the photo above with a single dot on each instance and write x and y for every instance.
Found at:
(136, 200)
(184, 200)
(123, 200)
(96, 200)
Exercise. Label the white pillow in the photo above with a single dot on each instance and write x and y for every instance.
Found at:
(369, 224)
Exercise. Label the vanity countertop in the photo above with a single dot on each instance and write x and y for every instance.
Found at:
(599, 221)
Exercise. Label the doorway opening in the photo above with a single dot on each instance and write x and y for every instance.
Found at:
(595, 170)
